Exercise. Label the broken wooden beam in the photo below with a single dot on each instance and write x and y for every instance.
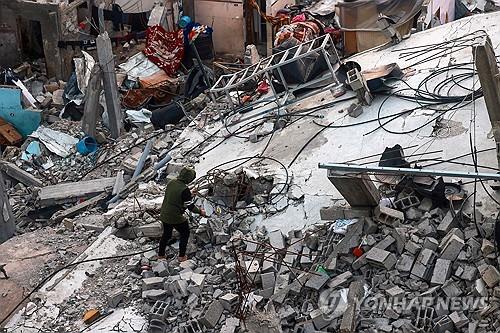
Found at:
(73, 211)
(107, 63)
(91, 109)
(71, 192)
(19, 174)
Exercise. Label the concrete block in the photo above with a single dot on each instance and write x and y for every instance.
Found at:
(276, 239)
(451, 249)
(442, 271)
(154, 294)
(161, 269)
(337, 213)
(443, 325)
(340, 280)
(431, 243)
(348, 323)
(412, 247)
(178, 289)
(319, 319)
(490, 276)
(317, 281)
(459, 319)
(381, 258)
(159, 311)
(451, 289)
(447, 223)
(385, 243)
(153, 283)
(229, 301)
(407, 202)
(423, 264)
(268, 280)
(405, 263)
(388, 216)
(395, 291)
(212, 314)
(115, 297)
(399, 235)
(157, 326)
(487, 247)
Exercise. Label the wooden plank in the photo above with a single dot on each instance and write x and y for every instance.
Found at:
(70, 212)
(90, 111)
(19, 174)
(489, 77)
(71, 192)
(8, 134)
(107, 63)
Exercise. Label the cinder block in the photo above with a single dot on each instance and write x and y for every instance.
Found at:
(490, 276)
(423, 264)
(212, 314)
(152, 283)
(159, 311)
(442, 272)
(431, 243)
(178, 289)
(451, 249)
(405, 263)
(268, 280)
(395, 291)
(381, 258)
(388, 216)
(407, 202)
(276, 239)
(229, 301)
(447, 223)
(319, 319)
(459, 319)
(317, 281)
(340, 279)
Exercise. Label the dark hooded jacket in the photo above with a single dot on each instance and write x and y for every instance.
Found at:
(178, 197)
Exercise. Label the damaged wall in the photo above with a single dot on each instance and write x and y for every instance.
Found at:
(16, 14)
(226, 18)
(7, 224)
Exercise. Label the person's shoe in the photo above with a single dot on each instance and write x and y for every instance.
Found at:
(182, 259)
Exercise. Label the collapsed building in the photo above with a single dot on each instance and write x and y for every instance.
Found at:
(343, 194)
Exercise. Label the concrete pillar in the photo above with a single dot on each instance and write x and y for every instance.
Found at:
(7, 221)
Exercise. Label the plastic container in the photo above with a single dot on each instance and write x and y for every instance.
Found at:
(87, 145)
(184, 21)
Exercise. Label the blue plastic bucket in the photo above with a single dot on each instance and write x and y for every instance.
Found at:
(87, 145)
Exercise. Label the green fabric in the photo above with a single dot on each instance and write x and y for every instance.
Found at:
(172, 209)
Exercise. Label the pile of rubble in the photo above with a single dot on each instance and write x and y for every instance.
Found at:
(407, 268)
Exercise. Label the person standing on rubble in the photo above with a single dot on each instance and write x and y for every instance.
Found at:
(177, 198)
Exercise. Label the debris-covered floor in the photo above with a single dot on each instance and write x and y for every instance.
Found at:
(286, 246)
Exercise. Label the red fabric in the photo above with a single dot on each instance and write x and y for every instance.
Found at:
(164, 48)
(299, 18)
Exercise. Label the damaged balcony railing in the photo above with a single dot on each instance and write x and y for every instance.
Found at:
(270, 66)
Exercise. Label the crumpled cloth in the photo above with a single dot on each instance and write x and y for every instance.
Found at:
(164, 48)
(301, 32)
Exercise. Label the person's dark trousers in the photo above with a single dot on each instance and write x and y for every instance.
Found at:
(183, 230)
